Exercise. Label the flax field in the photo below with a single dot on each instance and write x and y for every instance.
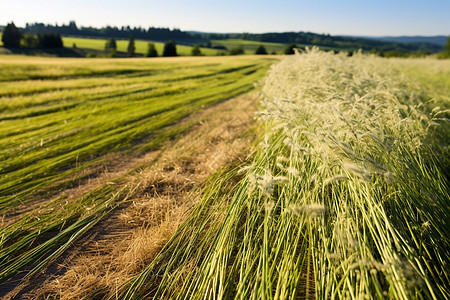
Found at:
(346, 195)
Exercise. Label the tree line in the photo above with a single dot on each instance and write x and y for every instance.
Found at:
(13, 38)
(325, 40)
(166, 34)
(170, 48)
(38, 35)
(151, 33)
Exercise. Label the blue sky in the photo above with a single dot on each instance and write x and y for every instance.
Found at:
(375, 17)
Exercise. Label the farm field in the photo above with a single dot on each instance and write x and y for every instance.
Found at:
(64, 122)
(251, 46)
(134, 179)
(98, 46)
(346, 196)
(141, 46)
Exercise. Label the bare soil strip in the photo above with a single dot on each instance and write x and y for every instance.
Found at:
(122, 244)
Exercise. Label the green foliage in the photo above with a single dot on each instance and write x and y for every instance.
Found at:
(45, 40)
(131, 49)
(196, 51)
(58, 129)
(111, 46)
(261, 50)
(90, 44)
(124, 32)
(151, 52)
(11, 36)
(170, 49)
(30, 41)
(239, 50)
(289, 50)
(326, 41)
(50, 40)
(446, 53)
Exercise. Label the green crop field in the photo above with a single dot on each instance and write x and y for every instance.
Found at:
(346, 197)
(141, 46)
(98, 46)
(343, 195)
(60, 118)
(251, 46)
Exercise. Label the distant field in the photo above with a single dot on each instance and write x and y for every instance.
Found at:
(250, 46)
(337, 188)
(61, 118)
(141, 46)
(98, 45)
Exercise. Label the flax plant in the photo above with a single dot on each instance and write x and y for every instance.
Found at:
(346, 196)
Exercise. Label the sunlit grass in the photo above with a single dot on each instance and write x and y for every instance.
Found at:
(141, 46)
(59, 118)
(345, 197)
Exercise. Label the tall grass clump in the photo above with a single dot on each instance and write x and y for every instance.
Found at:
(346, 196)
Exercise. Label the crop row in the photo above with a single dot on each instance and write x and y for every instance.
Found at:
(346, 196)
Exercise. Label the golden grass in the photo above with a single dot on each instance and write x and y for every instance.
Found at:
(136, 233)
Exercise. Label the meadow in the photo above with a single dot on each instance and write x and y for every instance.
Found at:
(61, 120)
(272, 48)
(141, 46)
(344, 195)
(250, 46)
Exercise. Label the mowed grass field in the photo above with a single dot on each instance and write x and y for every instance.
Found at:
(345, 194)
(59, 120)
(141, 46)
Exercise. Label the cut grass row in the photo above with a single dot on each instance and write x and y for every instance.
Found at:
(346, 196)
(59, 118)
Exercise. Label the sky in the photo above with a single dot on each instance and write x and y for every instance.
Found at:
(338, 17)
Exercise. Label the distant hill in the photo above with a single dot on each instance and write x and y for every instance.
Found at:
(301, 39)
(440, 40)
(347, 43)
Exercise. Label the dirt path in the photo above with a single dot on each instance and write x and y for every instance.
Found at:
(122, 244)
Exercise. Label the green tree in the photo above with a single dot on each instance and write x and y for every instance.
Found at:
(131, 49)
(446, 52)
(111, 46)
(261, 50)
(170, 49)
(237, 50)
(11, 36)
(447, 46)
(30, 41)
(151, 51)
(50, 40)
(290, 49)
(196, 51)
